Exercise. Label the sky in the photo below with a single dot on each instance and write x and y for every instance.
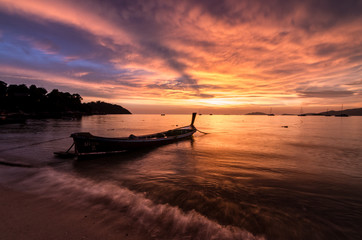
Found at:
(209, 56)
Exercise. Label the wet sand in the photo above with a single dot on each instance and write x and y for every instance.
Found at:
(26, 216)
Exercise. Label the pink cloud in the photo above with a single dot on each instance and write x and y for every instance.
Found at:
(273, 49)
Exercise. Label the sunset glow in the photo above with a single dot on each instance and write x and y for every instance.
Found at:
(181, 56)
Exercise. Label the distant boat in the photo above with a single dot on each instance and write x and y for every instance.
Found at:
(87, 144)
(162, 114)
(341, 114)
(301, 113)
(271, 114)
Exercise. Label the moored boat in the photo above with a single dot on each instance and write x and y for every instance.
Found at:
(301, 113)
(87, 144)
(341, 114)
(271, 112)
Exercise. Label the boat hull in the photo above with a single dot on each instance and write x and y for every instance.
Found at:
(87, 144)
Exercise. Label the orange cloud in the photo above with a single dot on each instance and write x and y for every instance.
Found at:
(248, 52)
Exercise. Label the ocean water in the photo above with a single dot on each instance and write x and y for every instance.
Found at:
(248, 178)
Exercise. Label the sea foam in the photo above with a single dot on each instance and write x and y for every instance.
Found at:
(160, 221)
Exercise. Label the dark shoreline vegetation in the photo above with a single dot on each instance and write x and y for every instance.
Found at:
(19, 102)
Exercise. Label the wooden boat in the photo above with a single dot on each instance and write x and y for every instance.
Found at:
(87, 144)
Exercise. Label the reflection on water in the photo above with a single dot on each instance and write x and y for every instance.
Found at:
(249, 173)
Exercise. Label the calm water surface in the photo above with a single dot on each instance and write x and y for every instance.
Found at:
(248, 178)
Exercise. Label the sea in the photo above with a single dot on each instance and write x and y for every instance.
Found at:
(239, 177)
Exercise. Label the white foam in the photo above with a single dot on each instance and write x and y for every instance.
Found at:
(160, 220)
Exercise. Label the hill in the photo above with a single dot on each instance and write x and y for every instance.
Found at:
(350, 112)
(35, 102)
(256, 113)
(104, 108)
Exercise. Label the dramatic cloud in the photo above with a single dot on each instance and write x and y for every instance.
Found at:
(208, 53)
(327, 94)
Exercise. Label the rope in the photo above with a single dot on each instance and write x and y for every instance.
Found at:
(33, 144)
(16, 164)
(26, 165)
(202, 131)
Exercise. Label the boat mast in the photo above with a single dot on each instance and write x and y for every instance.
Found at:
(193, 119)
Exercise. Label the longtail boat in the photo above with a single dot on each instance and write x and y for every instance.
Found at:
(88, 144)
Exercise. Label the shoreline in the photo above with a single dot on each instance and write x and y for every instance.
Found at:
(11, 118)
(27, 216)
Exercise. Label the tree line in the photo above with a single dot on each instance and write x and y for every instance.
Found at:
(37, 101)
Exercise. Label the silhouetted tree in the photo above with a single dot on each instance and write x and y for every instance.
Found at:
(34, 100)
(37, 93)
(3, 89)
(37, 99)
(17, 97)
(18, 90)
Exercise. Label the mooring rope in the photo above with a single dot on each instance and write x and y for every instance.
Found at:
(202, 131)
(32, 144)
(26, 165)
(14, 164)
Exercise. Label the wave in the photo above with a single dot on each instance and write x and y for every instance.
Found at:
(160, 221)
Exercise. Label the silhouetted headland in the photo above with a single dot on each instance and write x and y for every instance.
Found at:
(19, 102)
(256, 113)
(349, 112)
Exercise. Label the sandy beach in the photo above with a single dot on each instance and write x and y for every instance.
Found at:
(26, 216)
